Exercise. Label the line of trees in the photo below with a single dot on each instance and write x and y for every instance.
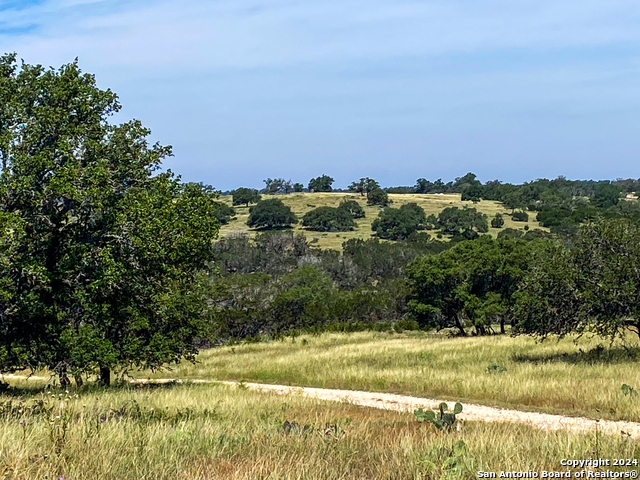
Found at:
(535, 284)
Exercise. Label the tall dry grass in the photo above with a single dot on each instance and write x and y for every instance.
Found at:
(582, 378)
(219, 432)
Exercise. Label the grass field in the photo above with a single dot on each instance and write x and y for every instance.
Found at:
(555, 377)
(219, 432)
(301, 203)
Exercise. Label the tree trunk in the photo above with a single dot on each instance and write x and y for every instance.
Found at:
(105, 376)
(78, 379)
(460, 327)
(502, 331)
(64, 379)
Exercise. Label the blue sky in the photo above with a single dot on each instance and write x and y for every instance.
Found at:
(393, 89)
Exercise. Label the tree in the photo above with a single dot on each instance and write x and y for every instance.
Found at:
(364, 185)
(329, 219)
(245, 196)
(321, 184)
(399, 223)
(591, 286)
(298, 187)
(520, 216)
(497, 221)
(353, 207)
(423, 186)
(471, 284)
(271, 214)
(606, 195)
(223, 212)
(462, 221)
(273, 186)
(473, 192)
(377, 196)
(100, 259)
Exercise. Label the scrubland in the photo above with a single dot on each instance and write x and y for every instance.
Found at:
(301, 203)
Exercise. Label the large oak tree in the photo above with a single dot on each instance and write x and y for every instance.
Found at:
(99, 252)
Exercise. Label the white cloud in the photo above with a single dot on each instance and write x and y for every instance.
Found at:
(246, 34)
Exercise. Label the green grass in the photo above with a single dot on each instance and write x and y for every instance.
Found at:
(219, 432)
(556, 377)
(301, 203)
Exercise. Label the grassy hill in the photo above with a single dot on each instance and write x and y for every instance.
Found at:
(301, 203)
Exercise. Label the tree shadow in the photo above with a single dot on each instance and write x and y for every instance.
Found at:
(28, 391)
(594, 356)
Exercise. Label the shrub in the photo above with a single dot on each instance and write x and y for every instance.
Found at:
(520, 216)
(353, 208)
(245, 196)
(462, 221)
(405, 324)
(329, 219)
(223, 213)
(377, 196)
(497, 221)
(510, 233)
(270, 214)
(493, 367)
(399, 223)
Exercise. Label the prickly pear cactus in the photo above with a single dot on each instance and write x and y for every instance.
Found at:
(441, 419)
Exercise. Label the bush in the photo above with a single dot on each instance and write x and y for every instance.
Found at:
(329, 219)
(399, 223)
(353, 208)
(405, 324)
(271, 214)
(510, 233)
(321, 184)
(223, 213)
(520, 216)
(377, 196)
(245, 196)
(462, 221)
(497, 221)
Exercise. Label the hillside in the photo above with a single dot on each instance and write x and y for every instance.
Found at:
(301, 203)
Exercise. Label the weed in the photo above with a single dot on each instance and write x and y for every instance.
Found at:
(452, 463)
(493, 367)
(628, 390)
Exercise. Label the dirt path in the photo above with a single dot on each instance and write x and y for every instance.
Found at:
(471, 412)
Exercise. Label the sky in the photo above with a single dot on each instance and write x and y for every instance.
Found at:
(390, 89)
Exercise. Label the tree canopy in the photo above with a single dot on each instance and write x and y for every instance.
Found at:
(245, 196)
(99, 256)
(471, 284)
(593, 285)
(379, 197)
(271, 214)
(329, 219)
(462, 221)
(321, 184)
(399, 223)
